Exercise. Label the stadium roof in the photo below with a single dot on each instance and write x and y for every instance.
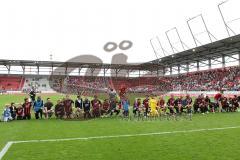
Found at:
(225, 47)
(129, 66)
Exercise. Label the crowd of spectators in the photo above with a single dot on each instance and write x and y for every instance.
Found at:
(210, 80)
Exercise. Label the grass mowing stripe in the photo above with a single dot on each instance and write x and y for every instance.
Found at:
(9, 144)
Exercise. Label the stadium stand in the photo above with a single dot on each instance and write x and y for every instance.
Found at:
(209, 80)
(39, 83)
(12, 83)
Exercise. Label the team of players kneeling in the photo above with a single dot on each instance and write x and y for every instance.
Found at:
(151, 106)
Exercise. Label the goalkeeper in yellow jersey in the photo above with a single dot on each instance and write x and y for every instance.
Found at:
(153, 106)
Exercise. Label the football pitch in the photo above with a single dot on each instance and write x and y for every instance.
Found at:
(211, 136)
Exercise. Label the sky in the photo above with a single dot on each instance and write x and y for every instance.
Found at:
(34, 29)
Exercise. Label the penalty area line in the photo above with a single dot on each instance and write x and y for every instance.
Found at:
(10, 143)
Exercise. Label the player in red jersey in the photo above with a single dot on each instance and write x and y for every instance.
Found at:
(217, 99)
(122, 92)
(27, 109)
(198, 103)
(224, 104)
(217, 96)
(20, 113)
(67, 102)
(59, 109)
(105, 107)
(96, 106)
(170, 104)
(161, 105)
(146, 106)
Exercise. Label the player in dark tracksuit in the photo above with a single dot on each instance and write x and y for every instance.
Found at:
(136, 107)
(178, 105)
(59, 109)
(78, 106)
(86, 108)
(78, 103)
(188, 103)
(235, 103)
(197, 104)
(32, 95)
(113, 108)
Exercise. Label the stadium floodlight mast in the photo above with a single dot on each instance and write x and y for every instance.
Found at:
(225, 23)
(205, 27)
(179, 39)
(160, 45)
(194, 39)
(172, 47)
(154, 50)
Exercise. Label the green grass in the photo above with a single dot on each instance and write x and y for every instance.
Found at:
(182, 146)
(219, 144)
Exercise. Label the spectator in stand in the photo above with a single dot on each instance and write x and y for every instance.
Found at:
(27, 109)
(217, 79)
(48, 111)
(38, 107)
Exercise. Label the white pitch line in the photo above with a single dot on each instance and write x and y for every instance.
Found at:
(5, 149)
(9, 144)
